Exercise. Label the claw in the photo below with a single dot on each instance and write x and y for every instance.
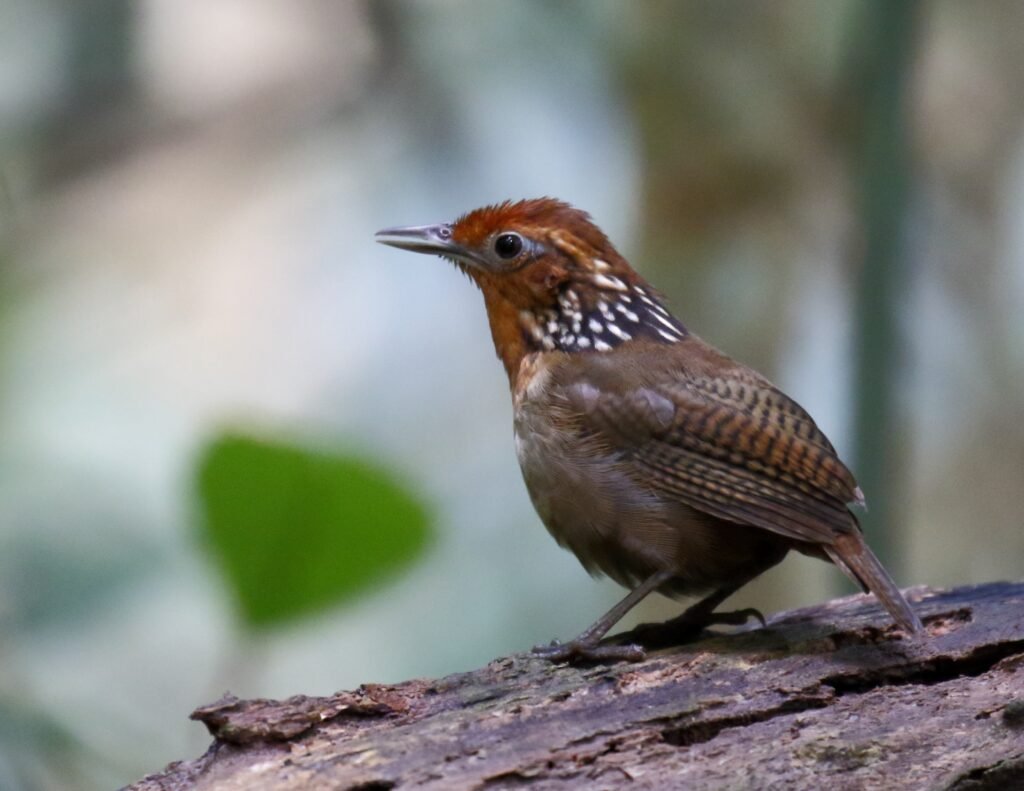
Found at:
(576, 652)
(736, 617)
(689, 626)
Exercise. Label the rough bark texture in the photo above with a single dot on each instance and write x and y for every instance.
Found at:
(825, 697)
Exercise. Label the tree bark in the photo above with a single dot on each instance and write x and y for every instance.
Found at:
(826, 697)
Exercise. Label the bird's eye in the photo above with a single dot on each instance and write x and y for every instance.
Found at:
(508, 245)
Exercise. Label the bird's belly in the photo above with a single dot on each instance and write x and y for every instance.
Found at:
(580, 500)
(591, 506)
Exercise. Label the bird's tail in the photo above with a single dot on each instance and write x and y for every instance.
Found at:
(856, 559)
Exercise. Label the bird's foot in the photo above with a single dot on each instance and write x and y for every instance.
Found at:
(689, 626)
(581, 652)
(736, 617)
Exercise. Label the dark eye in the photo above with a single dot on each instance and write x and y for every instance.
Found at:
(508, 245)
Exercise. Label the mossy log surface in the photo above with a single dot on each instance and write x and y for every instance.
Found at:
(826, 697)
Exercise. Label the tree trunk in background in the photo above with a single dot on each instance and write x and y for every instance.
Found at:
(826, 697)
(881, 59)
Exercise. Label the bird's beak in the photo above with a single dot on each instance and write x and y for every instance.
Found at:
(436, 239)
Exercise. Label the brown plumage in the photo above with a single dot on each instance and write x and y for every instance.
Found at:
(653, 457)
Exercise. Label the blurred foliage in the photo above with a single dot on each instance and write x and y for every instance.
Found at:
(51, 581)
(296, 531)
(727, 144)
(36, 749)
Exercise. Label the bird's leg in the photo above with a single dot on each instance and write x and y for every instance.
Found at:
(586, 646)
(694, 619)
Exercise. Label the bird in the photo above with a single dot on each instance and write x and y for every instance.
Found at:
(653, 457)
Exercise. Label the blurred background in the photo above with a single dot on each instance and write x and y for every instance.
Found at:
(243, 447)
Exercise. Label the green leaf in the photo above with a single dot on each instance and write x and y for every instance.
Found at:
(296, 531)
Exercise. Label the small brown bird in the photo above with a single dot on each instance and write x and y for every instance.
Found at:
(652, 456)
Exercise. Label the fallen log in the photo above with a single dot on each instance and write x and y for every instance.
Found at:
(831, 696)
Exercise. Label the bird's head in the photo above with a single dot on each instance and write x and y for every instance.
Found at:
(551, 279)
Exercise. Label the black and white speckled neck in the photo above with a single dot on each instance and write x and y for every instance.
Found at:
(619, 313)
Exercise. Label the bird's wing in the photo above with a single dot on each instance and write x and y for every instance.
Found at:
(729, 444)
(732, 445)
